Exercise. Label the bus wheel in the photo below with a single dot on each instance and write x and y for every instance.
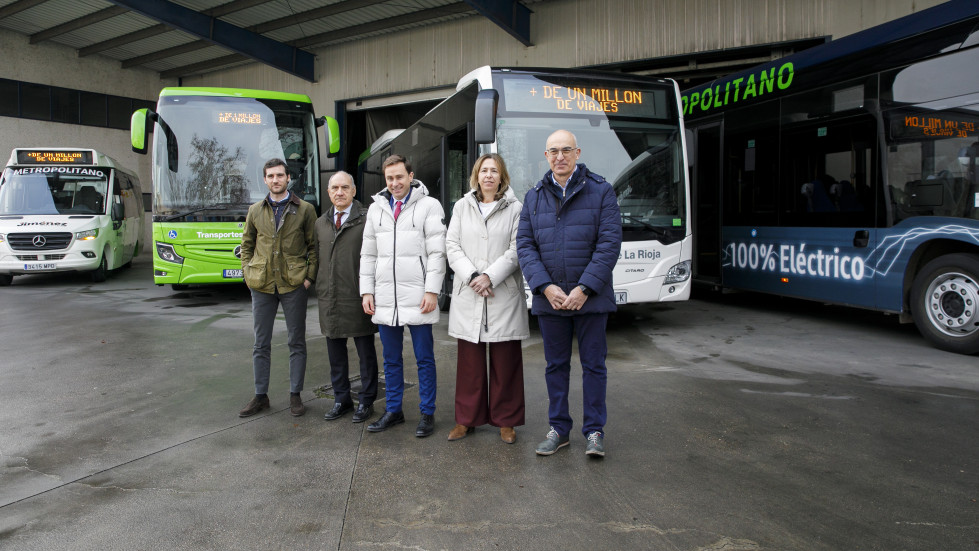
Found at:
(443, 301)
(100, 273)
(6, 279)
(945, 303)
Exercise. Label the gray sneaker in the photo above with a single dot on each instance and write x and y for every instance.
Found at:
(596, 444)
(552, 443)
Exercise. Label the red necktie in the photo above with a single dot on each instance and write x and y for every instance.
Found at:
(397, 209)
(339, 216)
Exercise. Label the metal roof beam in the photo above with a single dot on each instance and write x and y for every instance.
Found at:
(330, 36)
(281, 56)
(136, 36)
(19, 6)
(76, 24)
(510, 15)
(318, 13)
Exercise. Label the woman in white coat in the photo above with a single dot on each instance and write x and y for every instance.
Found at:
(488, 306)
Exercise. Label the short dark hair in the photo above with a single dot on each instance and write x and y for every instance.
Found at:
(272, 163)
(395, 159)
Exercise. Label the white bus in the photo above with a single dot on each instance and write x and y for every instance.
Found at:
(67, 209)
(630, 130)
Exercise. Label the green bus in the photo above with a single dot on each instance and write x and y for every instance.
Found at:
(209, 146)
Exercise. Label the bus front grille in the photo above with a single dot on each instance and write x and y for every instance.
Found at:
(48, 241)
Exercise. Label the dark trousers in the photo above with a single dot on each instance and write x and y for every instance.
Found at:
(264, 308)
(499, 400)
(557, 333)
(340, 369)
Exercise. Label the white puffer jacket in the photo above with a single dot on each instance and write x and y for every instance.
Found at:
(487, 246)
(401, 261)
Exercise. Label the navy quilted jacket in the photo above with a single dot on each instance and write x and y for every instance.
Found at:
(570, 240)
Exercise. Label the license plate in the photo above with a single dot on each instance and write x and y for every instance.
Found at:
(234, 274)
(40, 266)
(621, 297)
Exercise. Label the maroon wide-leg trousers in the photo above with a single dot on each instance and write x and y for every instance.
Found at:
(498, 401)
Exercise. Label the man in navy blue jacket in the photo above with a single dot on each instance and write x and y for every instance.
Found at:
(568, 242)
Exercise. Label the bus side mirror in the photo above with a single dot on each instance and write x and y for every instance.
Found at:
(485, 120)
(138, 132)
(332, 135)
(117, 213)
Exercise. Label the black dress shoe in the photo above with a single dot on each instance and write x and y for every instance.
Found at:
(426, 426)
(338, 411)
(363, 413)
(386, 421)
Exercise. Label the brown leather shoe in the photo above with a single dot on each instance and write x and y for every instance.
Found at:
(257, 404)
(459, 432)
(296, 406)
(508, 435)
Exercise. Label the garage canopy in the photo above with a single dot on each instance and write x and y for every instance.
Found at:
(179, 38)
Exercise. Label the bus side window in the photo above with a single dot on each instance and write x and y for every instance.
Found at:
(751, 148)
(827, 169)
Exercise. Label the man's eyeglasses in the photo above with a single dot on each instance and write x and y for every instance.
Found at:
(566, 151)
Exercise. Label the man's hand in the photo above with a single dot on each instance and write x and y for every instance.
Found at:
(555, 296)
(575, 300)
(368, 303)
(429, 302)
(307, 283)
(482, 285)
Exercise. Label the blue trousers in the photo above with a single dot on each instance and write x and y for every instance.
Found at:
(557, 333)
(392, 340)
(264, 308)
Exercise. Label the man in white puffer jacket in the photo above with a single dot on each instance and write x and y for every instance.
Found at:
(402, 265)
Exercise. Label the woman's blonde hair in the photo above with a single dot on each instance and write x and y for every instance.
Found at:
(504, 176)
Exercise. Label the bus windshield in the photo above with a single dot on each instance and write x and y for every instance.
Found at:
(222, 144)
(53, 190)
(636, 147)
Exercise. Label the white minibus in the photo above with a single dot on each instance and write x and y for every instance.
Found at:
(67, 209)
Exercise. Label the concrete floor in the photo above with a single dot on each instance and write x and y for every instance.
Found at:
(736, 422)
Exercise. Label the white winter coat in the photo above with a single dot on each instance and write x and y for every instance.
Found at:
(400, 262)
(486, 246)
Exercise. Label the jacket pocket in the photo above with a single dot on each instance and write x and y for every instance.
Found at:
(256, 276)
(295, 270)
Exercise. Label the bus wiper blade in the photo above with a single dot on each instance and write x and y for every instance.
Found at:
(215, 206)
(647, 226)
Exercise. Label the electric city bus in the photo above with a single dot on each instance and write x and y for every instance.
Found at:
(65, 209)
(209, 147)
(847, 174)
(630, 130)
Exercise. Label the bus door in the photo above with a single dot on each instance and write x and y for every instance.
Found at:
(458, 155)
(706, 192)
(827, 240)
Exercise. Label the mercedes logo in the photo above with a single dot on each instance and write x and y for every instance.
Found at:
(39, 241)
(238, 251)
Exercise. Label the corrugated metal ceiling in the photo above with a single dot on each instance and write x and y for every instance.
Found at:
(350, 20)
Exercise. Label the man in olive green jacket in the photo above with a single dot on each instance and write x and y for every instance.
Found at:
(278, 257)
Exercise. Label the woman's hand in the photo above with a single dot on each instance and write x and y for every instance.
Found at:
(482, 285)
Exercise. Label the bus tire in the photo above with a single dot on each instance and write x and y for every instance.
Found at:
(6, 279)
(945, 303)
(99, 274)
(444, 299)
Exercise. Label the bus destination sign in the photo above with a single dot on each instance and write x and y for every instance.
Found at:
(52, 157)
(231, 117)
(580, 98)
(933, 126)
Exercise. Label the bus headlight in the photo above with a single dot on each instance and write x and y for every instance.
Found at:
(678, 273)
(2, 238)
(166, 252)
(87, 235)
